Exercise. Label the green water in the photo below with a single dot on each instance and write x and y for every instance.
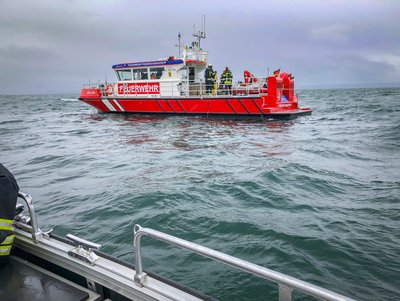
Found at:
(316, 197)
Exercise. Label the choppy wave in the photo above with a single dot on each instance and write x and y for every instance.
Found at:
(316, 197)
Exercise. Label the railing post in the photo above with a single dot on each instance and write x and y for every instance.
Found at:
(140, 277)
(285, 293)
(36, 233)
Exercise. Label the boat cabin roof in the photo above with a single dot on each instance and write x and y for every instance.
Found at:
(191, 57)
(169, 61)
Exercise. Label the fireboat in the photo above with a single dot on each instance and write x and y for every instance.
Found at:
(176, 86)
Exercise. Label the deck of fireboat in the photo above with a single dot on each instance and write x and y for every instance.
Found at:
(24, 281)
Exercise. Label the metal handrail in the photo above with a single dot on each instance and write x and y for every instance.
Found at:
(184, 88)
(36, 232)
(191, 89)
(91, 85)
(286, 283)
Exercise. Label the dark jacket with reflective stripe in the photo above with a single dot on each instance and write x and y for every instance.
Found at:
(209, 74)
(8, 198)
(226, 77)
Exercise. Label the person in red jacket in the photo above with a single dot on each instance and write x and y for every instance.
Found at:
(8, 200)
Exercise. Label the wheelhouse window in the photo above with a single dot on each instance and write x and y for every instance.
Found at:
(125, 74)
(191, 74)
(156, 73)
(140, 74)
(184, 73)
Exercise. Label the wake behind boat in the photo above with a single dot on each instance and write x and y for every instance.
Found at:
(69, 99)
(178, 86)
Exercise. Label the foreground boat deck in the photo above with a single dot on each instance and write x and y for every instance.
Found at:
(47, 267)
(24, 281)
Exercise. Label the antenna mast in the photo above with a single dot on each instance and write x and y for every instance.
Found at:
(200, 34)
(179, 45)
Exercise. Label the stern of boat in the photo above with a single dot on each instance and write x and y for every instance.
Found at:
(92, 95)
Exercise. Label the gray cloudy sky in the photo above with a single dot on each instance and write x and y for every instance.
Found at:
(54, 46)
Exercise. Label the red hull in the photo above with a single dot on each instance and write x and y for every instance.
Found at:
(245, 106)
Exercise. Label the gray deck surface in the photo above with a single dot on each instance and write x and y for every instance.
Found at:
(23, 282)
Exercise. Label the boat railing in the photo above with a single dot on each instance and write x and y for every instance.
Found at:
(33, 227)
(181, 88)
(286, 284)
(91, 86)
(196, 55)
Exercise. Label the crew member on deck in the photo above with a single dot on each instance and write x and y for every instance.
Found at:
(8, 200)
(210, 79)
(226, 81)
(214, 83)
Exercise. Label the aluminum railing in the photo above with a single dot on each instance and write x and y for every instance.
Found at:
(286, 283)
(91, 85)
(34, 229)
(181, 88)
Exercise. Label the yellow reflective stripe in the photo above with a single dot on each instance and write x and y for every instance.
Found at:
(5, 250)
(7, 228)
(8, 221)
(9, 240)
(6, 224)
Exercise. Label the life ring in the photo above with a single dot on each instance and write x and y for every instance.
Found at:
(109, 89)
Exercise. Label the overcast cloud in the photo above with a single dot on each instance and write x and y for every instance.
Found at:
(54, 46)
